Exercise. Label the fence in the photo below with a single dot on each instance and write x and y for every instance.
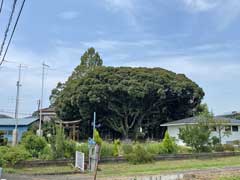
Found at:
(64, 162)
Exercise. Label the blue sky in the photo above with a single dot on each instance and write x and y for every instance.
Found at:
(199, 38)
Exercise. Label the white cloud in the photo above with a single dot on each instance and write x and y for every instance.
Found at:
(128, 7)
(68, 15)
(227, 13)
(62, 61)
(120, 4)
(201, 5)
(223, 12)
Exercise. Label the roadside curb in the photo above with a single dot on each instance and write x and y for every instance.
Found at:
(52, 174)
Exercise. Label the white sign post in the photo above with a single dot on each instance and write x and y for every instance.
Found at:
(0, 172)
(79, 161)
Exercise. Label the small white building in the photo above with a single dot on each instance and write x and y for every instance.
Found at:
(229, 124)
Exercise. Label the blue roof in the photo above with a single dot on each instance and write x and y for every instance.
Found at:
(21, 121)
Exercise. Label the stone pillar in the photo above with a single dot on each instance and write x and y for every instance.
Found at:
(74, 132)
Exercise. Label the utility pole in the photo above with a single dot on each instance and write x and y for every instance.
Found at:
(15, 131)
(40, 132)
(94, 123)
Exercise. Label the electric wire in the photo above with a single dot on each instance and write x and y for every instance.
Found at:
(8, 26)
(1, 6)
(14, 28)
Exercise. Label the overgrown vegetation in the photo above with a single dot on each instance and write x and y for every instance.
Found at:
(34, 147)
(197, 135)
(3, 141)
(12, 155)
(139, 155)
(34, 144)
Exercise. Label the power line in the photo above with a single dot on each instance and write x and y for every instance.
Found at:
(1, 6)
(14, 28)
(34, 67)
(8, 26)
(13, 112)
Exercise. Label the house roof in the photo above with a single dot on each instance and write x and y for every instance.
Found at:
(4, 116)
(49, 109)
(21, 121)
(194, 120)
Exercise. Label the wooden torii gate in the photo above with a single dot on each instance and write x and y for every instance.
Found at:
(72, 127)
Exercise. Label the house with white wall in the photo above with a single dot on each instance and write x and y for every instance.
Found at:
(227, 124)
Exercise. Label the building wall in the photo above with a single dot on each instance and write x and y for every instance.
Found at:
(174, 131)
(8, 131)
(228, 139)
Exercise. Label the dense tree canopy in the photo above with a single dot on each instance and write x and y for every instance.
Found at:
(126, 99)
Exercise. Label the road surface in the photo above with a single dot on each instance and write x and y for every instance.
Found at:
(52, 177)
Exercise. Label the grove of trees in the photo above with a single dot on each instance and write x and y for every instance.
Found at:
(127, 100)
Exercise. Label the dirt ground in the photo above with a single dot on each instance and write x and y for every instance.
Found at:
(212, 174)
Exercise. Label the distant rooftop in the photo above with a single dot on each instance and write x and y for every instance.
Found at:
(21, 121)
(194, 120)
(4, 116)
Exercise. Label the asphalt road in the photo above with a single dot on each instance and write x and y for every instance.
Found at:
(57, 177)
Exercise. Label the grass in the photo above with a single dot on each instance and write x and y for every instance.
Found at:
(40, 170)
(230, 178)
(125, 169)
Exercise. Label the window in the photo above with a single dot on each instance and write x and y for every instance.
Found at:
(235, 128)
(7, 132)
(4, 132)
(227, 128)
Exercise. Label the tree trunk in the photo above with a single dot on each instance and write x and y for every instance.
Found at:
(125, 134)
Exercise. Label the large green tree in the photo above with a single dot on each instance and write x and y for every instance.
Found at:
(66, 110)
(126, 99)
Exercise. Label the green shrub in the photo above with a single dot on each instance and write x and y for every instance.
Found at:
(34, 144)
(184, 150)
(3, 151)
(236, 142)
(69, 149)
(59, 143)
(218, 148)
(139, 155)
(228, 147)
(154, 148)
(15, 155)
(107, 149)
(83, 147)
(207, 148)
(127, 148)
(97, 137)
(116, 150)
(47, 153)
(169, 144)
(215, 140)
(2, 162)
